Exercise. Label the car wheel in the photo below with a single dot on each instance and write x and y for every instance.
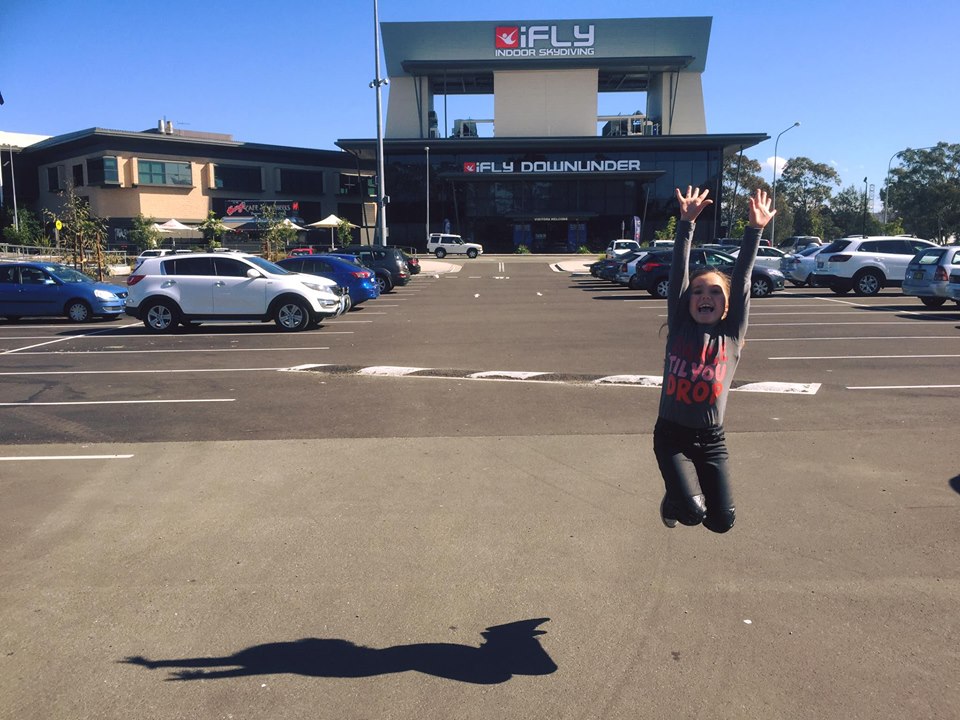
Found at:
(868, 282)
(661, 288)
(383, 282)
(292, 315)
(634, 282)
(760, 287)
(160, 316)
(78, 311)
(440, 253)
(933, 302)
(471, 253)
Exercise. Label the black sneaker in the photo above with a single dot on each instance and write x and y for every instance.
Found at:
(670, 522)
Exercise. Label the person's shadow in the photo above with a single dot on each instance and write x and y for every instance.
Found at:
(507, 650)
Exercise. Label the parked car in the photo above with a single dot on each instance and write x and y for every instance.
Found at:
(798, 266)
(796, 243)
(33, 289)
(628, 266)
(410, 255)
(186, 289)
(442, 244)
(929, 273)
(605, 269)
(296, 252)
(360, 282)
(653, 273)
(387, 263)
(865, 264)
(153, 252)
(769, 257)
(616, 248)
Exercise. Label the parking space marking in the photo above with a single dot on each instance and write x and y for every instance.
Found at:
(14, 458)
(901, 387)
(855, 322)
(143, 372)
(30, 403)
(192, 350)
(860, 357)
(59, 340)
(867, 337)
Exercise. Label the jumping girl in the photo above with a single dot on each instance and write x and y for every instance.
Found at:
(706, 326)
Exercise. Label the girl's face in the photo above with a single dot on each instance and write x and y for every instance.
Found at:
(708, 299)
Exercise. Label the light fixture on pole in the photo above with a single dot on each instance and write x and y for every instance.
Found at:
(773, 220)
(378, 83)
(886, 197)
(427, 148)
(864, 229)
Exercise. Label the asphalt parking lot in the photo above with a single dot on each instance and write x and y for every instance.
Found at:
(358, 521)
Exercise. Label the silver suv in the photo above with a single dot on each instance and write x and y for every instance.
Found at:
(865, 264)
(185, 289)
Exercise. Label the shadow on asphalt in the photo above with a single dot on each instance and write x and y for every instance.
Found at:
(955, 484)
(507, 650)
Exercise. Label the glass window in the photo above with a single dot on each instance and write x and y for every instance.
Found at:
(296, 265)
(78, 175)
(158, 172)
(305, 182)
(188, 266)
(228, 267)
(930, 257)
(8, 274)
(53, 179)
(102, 171)
(32, 276)
(243, 178)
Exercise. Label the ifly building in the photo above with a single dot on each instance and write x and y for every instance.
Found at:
(546, 169)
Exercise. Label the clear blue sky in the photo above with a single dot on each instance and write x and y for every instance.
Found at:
(864, 79)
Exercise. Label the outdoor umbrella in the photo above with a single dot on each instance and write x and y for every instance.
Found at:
(288, 223)
(173, 225)
(330, 221)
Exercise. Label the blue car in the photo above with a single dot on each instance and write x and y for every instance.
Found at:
(358, 280)
(31, 289)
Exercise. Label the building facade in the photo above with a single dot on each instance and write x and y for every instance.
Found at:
(547, 171)
(165, 174)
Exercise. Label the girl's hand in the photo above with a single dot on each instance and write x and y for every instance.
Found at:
(693, 203)
(760, 212)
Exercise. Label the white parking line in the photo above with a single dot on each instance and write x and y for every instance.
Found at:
(901, 387)
(30, 403)
(142, 372)
(875, 337)
(860, 357)
(831, 324)
(59, 340)
(197, 350)
(14, 458)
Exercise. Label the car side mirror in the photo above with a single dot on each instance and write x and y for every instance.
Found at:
(49, 281)
(251, 273)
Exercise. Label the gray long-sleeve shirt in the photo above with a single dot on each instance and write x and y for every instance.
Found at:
(700, 360)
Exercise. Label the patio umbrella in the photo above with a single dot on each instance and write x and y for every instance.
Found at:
(173, 225)
(330, 221)
(288, 223)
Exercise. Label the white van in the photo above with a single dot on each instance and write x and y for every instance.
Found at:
(442, 244)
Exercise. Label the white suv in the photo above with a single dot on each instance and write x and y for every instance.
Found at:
(865, 264)
(616, 248)
(441, 245)
(185, 289)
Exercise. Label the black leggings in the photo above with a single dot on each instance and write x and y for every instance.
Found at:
(705, 498)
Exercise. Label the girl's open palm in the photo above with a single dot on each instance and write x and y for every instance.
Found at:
(693, 203)
(760, 212)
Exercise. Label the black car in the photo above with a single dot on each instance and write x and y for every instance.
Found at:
(653, 275)
(388, 263)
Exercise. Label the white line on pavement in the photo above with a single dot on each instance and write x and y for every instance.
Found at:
(212, 350)
(875, 337)
(13, 458)
(59, 340)
(142, 372)
(860, 357)
(116, 402)
(900, 387)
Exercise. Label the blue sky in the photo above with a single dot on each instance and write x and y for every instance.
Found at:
(864, 79)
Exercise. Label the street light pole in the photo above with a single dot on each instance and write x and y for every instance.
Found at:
(378, 83)
(864, 230)
(427, 148)
(773, 220)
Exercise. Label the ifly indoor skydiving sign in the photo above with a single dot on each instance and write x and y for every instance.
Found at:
(534, 167)
(518, 41)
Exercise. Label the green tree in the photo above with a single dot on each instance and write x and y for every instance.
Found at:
(213, 230)
(277, 235)
(344, 232)
(924, 191)
(143, 235)
(846, 215)
(83, 232)
(29, 233)
(669, 232)
(741, 178)
(806, 188)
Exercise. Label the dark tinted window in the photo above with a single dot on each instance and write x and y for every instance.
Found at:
(836, 246)
(293, 265)
(316, 265)
(188, 266)
(237, 177)
(228, 267)
(8, 274)
(897, 247)
(32, 276)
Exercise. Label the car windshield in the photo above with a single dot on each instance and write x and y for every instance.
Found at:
(67, 274)
(811, 250)
(929, 257)
(267, 266)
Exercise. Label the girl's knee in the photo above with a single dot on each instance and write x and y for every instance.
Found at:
(693, 511)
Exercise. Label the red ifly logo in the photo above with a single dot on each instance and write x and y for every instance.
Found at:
(508, 37)
(470, 167)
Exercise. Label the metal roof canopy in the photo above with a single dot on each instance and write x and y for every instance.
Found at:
(475, 77)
